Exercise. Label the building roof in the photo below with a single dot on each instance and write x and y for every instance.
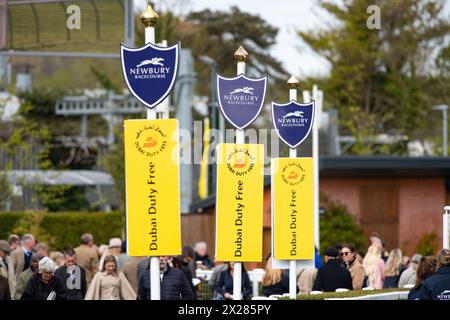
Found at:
(350, 167)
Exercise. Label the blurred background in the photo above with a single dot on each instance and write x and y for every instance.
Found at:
(383, 127)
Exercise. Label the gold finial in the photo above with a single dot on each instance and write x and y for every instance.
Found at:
(149, 17)
(293, 82)
(241, 54)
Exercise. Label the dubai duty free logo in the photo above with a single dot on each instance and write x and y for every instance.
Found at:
(240, 161)
(293, 174)
(151, 140)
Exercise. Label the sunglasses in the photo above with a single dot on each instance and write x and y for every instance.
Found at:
(345, 253)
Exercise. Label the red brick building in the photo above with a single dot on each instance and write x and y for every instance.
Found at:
(401, 198)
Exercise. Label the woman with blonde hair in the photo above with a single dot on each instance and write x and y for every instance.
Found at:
(374, 267)
(392, 268)
(275, 281)
(110, 284)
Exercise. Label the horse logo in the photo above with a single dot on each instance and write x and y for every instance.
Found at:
(155, 61)
(243, 90)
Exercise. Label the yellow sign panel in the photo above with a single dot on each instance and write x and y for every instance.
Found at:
(152, 187)
(239, 202)
(293, 208)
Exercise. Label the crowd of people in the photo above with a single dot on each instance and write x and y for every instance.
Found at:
(29, 271)
(428, 278)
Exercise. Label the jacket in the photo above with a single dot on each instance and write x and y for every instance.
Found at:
(225, 284)
(305, 279)
(4, 289)
(407, 277)
(88, 259)
(107, 286)
(7, 271)
(437, 286)
(38, 290)
(357, 273)
(332, 276)
(21, 283)
(78, 289)
(279, 287)
(174, 286)
(206, 260)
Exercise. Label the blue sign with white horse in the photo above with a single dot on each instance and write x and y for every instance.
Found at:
(293, 121)
(150, 71)
(241, 99)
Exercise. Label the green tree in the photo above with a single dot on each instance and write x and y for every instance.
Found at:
(378, 77)
(338, 226)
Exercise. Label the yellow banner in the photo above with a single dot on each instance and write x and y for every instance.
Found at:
(239, 202)
(292, 208)
(152, 187)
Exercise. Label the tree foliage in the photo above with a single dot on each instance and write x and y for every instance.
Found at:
(383, 81)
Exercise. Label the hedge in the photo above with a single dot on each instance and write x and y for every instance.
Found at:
(65, 228)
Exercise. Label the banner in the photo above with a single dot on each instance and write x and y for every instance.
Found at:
(293, 121)
(292, 208)
(150, 71)
(241, 99)
(152, 187)
(239, 202)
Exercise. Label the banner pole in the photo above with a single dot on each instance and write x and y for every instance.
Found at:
(292, 84)
(149, 18)
(446, 231)
(240, 55)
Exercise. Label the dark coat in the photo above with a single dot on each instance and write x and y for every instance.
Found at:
(75, 293)
(174, 286)
(437, 286)
(225, 284)
(331, 277)
(278, 288)
(206, 260)
(37, 290)
(188, 274)
(4, 289)
(391, 282)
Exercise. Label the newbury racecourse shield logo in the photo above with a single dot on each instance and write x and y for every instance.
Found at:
(241, 99)
(150, 71)
(293, 121)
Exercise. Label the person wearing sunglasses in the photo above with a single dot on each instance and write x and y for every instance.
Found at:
(351, 263)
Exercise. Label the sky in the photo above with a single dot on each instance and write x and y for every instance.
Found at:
(288, 15)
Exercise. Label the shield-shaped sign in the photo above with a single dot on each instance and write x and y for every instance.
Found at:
(293, 121)
(150, 71)
(241, 99)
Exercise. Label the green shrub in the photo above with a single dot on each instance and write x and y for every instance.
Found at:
(61, 229)
(338, 226)
(427, 244)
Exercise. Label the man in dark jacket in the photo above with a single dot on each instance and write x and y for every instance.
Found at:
(44, 285)
(174, 285)
(437, 286)
(72, 276)
(332, 275)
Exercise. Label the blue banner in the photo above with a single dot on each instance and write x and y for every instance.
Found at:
(293, 121)
(150, 71)
(241, 99)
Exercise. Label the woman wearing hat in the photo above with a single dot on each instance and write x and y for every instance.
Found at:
(110, 283)
(44, 285)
